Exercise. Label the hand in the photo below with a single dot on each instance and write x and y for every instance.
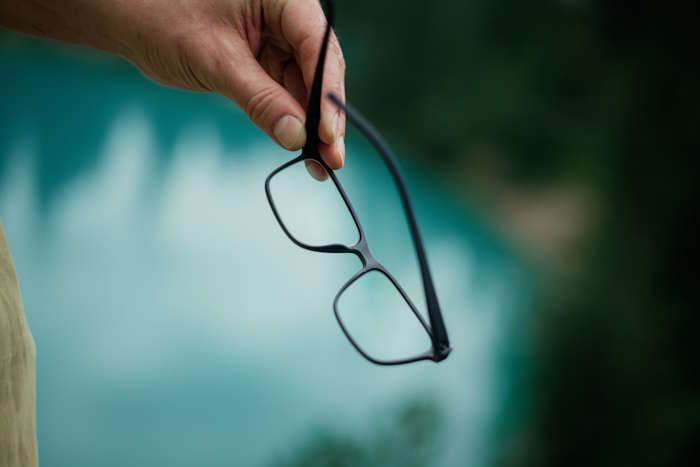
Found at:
(261, 54)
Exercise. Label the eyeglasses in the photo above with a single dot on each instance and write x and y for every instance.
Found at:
(382, 331)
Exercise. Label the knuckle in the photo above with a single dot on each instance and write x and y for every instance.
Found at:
(310, 41)
(260, 103)
(308, 47)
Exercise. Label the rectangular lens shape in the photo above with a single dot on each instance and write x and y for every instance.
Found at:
(312, 211)
(379, 319)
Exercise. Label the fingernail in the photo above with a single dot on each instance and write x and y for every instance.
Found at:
(316, 171)
(341, 149)
(329, 124)
(290, 132)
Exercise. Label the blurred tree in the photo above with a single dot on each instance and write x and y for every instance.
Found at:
(408, 438)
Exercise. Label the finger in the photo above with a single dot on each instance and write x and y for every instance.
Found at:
(267, 103)
(335, 151)
(302, 24)
(332, 120)
(293, 81)
(331, 129)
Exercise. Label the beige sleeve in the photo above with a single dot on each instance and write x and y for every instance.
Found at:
(17, 353)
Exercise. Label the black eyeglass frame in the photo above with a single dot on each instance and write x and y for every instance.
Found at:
(440, 346)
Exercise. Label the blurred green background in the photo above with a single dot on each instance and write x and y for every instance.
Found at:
(549, 148)
(575, 124)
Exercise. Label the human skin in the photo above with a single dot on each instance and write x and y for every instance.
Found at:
(261, 54)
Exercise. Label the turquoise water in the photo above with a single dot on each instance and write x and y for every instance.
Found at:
(176, 324)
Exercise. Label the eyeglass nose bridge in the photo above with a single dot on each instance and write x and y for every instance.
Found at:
(361, 250)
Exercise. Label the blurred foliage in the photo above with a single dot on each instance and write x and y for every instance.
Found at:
(548, 87)
(603, 93)
(407, 438)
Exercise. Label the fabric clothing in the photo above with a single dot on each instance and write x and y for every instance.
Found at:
(17, 371)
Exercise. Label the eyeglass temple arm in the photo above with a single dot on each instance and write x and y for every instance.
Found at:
(313, 109)
(436, 322)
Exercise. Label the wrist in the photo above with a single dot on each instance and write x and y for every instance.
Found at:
(95, 23)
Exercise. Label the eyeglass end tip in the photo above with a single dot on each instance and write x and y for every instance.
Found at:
(442, 353)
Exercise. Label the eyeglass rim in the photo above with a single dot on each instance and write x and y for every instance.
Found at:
(427, 355)
(328, 248)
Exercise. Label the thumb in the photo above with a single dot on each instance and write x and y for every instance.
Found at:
(269, 105)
